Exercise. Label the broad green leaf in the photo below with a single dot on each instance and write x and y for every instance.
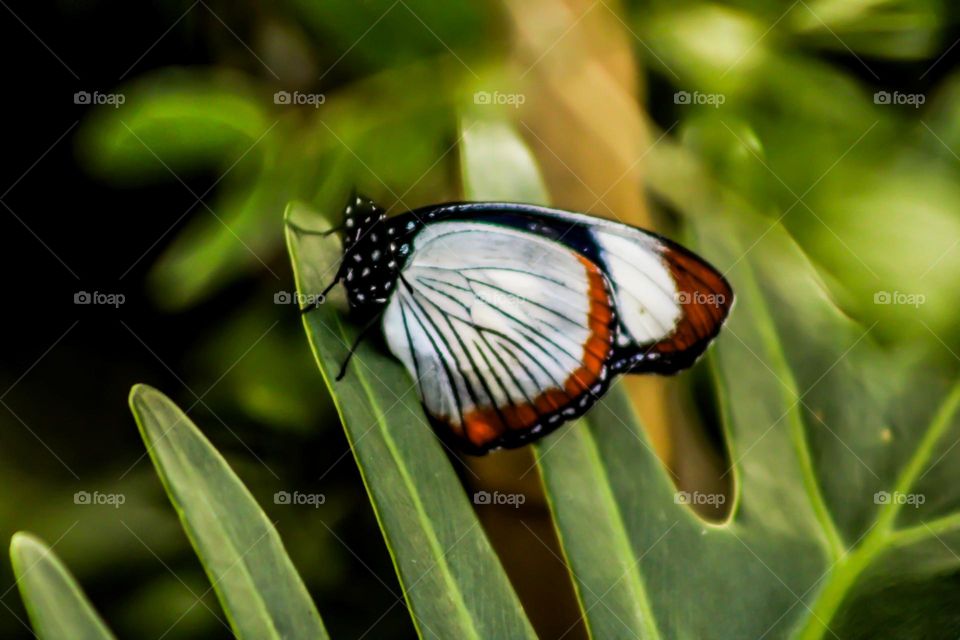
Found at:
(822, 424)
(57, 606)
(813, 412)
(257, 584)
(451, 579)
(774, 547)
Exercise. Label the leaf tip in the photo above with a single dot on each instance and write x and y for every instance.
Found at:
(22, 544)
(140, 394)
(147, 405)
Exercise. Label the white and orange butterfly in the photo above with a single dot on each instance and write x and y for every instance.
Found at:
(514, 319)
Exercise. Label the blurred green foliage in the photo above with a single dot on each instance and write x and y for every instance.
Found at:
(867, 190)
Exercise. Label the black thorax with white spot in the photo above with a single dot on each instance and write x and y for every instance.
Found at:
(375, 249)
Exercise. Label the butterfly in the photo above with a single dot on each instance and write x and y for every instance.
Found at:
(514, 319)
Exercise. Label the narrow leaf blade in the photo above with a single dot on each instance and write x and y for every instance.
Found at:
(257, 584)
(451, 579)
(57, 606)
(587, 514)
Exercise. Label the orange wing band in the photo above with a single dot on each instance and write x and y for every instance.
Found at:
(484, 425)
(705, 298)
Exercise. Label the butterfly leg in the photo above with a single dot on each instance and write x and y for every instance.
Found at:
(356, 343)
(336, 279)
(323, 294)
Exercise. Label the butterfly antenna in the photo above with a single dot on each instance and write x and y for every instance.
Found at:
(356, 343)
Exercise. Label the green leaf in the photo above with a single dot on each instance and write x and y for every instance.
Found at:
(57, 606)
(810, 410)
(452, 581)
(770, 553)
(175, 120)
(497, 165)
(257, 584)
(830, 436)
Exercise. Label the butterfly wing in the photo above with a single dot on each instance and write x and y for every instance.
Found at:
(508, 334)
(670, 302)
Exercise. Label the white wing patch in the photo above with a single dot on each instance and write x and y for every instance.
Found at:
(503, 330)
(646, 293)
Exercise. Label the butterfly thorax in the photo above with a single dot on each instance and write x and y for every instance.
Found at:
(375, 249)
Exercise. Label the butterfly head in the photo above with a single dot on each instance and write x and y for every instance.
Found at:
(374, 249)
